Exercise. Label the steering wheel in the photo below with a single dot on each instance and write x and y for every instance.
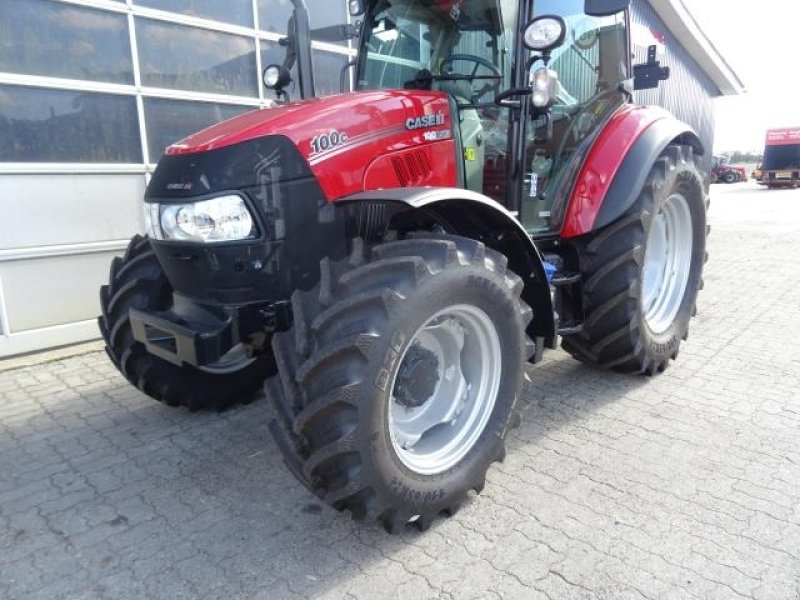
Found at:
(479, 62)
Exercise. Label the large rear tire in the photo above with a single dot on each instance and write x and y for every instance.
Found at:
(642, 274)
(138, 281)
(400, 376)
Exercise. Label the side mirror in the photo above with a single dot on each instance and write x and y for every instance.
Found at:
(605, 8)
(356, 7)
(648, 75)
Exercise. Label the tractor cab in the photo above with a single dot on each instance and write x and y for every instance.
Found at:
(512, 151)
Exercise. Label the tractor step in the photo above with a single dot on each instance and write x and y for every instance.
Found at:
(565, 278)
(570, 329)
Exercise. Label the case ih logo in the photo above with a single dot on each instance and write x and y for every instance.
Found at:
(425, 122)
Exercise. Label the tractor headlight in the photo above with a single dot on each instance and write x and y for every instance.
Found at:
(545, 33)
(543, 84)
(276, 77)
(223, 219)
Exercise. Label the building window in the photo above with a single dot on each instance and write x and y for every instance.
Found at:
(328, 69)
(42, 125)
(84, 105)
(187, 58)
(169, 121)
(274, 14)
(39, 37)
(237, 12)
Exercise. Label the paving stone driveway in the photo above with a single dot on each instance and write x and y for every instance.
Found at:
(684, 486)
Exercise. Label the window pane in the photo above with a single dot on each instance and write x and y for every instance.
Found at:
(58, 40)
(238, 12)
(274, 14)
(38, 125)
(169, 121)
(328, 72)
(187, 58)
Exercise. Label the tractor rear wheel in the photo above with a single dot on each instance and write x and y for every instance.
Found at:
(642, 273)
(399, 377)
(730, 177)
(138, 281)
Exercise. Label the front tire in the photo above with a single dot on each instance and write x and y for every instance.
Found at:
(138, 281)
(400, 376)
(642, 274)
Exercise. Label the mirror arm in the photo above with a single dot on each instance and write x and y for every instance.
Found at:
(335, 33)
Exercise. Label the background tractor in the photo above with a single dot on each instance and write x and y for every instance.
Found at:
(390, 259)
(723, 171)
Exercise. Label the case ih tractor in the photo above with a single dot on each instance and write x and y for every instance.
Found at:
(722, 170)
(388, 261)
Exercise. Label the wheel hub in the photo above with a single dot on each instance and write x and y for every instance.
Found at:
(445, 389)
(667, 263)
(417, 377)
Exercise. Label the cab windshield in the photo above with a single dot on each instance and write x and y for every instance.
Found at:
(458, 47)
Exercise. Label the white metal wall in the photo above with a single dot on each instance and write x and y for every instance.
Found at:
(61, 221)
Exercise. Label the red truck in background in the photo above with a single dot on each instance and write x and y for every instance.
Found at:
(781, 165)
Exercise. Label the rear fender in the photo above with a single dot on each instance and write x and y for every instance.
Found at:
(618, 164)
(472, 215)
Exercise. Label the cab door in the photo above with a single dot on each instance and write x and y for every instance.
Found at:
(485, 52)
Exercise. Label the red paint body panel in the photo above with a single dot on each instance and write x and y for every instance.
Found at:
(604, 160)
(374, 123)
(413, 168)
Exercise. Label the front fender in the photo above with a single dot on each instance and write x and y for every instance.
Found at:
(475, 216)
(618, 164)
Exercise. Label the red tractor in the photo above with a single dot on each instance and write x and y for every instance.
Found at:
(389, 260)
(723, 171)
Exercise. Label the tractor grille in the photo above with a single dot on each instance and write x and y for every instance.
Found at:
(411, 168)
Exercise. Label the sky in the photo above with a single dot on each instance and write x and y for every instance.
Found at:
(760, 40)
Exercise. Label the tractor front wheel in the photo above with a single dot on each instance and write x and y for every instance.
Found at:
(400, 376)
(138, 281)
(642, 273)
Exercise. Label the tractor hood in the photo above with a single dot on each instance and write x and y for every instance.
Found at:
(351, 141)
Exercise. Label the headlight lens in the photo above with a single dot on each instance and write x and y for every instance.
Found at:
(276, 77)
(223, 219)
(545, 33)
(543, 83)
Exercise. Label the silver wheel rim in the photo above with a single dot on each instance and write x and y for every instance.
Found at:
(438, 433)
(667, 263)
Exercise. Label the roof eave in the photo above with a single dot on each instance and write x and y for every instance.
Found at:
(685, 28)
